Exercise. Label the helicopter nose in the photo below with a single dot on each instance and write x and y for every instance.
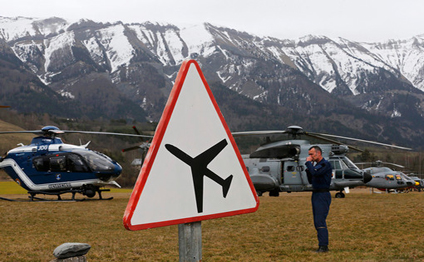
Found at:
(110, 175)
(118, 169)
(367, 177)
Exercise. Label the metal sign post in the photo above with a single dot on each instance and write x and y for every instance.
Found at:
(190, 242)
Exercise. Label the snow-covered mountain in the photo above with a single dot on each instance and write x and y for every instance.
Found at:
(310, 76)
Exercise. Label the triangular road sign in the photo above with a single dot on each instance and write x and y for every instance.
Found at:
(193, 170)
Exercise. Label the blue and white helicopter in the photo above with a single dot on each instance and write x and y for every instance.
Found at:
(48, 166)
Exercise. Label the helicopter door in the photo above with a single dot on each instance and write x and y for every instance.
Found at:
(292, 173)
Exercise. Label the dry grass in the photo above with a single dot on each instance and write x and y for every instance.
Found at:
(363, 227)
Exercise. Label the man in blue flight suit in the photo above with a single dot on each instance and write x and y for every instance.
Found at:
(320, 178)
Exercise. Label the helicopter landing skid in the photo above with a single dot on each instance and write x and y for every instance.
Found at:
(36, 199)
(40, 199)
(32, 197)
(33, 194)
(7, 199)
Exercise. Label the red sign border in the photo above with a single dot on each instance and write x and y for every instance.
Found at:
(156, 142)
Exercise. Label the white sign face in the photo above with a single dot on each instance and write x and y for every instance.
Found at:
(193, 170)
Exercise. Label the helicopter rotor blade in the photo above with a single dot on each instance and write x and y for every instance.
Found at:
(296, 130)
(393, 164)
(363, 163)
(37, 132)
(138, 133)
(333, 141)
(259, 133)
(278, 132)
(378, 163)
(105, 133)
(130, 148)
(361, 140)
(40, 132)
(144, 146)
(136, 130)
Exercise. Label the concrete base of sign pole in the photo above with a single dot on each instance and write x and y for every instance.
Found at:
(190, 241)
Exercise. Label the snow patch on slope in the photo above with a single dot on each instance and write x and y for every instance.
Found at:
(119, 50)
(62, 41)
(198, 39)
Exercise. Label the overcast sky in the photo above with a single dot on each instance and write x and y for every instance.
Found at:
(358, 20)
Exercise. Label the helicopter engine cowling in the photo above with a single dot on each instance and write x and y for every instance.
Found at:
(262, 182)
(339, 149)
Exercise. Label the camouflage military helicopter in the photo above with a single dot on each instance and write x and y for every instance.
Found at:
(280, 166)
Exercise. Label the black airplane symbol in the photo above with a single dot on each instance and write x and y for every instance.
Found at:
(199, 169)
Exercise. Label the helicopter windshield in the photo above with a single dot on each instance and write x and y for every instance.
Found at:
(97, 162)
(344, 166)
(349, 163)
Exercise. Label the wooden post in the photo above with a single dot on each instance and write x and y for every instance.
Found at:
(190, 242)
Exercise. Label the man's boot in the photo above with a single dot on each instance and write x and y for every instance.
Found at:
(322, 249)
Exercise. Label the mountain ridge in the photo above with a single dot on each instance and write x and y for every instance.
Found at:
(312, 77)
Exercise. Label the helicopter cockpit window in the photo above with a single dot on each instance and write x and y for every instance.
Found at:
(350, 164)
(76, 164)
(40, 164)
(336, 165)
(344, 166)
(390, 177)
(97, 162)
(58, 163)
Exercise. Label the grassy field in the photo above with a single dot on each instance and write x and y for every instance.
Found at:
(363, 227)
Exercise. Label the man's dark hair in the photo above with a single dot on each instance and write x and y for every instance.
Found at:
(317, 148)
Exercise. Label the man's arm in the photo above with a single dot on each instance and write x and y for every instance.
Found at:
(318, 170)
